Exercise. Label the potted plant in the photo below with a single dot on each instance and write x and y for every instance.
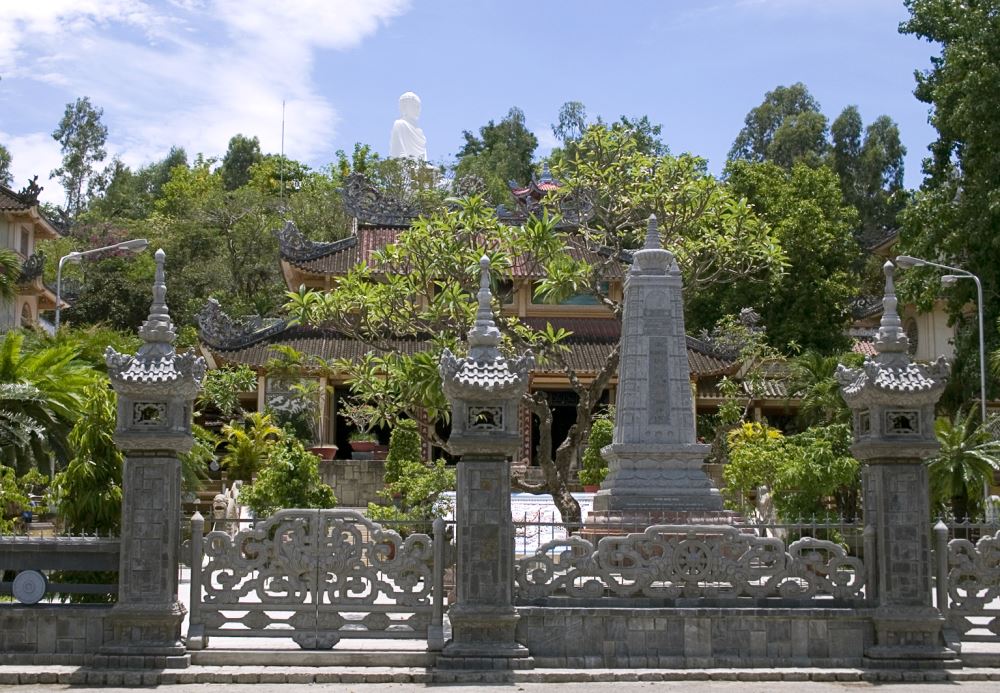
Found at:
(595, 467)
(363, 441)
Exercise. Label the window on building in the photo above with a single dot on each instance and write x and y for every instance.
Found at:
(27, 320)
(24, 242)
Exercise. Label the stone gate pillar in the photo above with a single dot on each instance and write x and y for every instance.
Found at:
(484, 389)
(892, 400)
(156, 390)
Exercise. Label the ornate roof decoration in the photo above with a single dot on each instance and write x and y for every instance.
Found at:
(220, 331)
(295, 247)
(32, 268)
(156, 363)
(484, 371)
(29, 193)
(891, 370)
(373, 207)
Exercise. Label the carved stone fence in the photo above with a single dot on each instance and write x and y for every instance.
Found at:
(684, 562)
(317, 576)
(33, 558)
(968, 578)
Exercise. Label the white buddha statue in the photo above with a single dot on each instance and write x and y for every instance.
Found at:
(408, 140)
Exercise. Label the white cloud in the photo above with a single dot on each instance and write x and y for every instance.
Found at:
(34, 154)
(188, 72)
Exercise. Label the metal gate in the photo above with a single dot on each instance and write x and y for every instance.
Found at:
(316, 576)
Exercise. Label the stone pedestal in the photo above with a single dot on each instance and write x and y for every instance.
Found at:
(156, 390)
(655, 464)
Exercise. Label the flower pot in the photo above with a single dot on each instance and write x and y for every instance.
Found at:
(324, 452)
(364, 446)
(591, 488)
(380, 452)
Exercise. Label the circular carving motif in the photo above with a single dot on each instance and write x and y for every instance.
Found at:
(29, 587)
(691, 559)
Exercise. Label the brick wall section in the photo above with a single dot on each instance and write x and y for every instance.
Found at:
(51, 632)
(581, 637)
(354, 482)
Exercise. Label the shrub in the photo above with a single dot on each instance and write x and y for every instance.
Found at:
(595, 467)
(289, 478)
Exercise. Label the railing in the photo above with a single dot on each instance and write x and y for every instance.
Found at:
(968, 578)
(725, 564)
(316, 576)
(67, 565)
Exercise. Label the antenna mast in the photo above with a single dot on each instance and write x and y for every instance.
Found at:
(281, 163)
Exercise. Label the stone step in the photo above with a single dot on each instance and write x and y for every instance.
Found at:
(312, 658)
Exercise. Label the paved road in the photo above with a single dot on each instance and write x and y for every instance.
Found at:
(624, 687)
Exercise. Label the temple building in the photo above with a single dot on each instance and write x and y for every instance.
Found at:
(22, 226)
(378, 222)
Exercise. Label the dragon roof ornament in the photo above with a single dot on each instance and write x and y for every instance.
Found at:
(218, 330)
(374, 207)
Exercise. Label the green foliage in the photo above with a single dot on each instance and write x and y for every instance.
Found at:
(404, 446)
(808, 304)
(195, 462)
(786, 128)
(955, 217)
(10, 270)
(15, 495)
(81, 136)
(222, 387)
(42, 394)
(595, 467)
(809, 475)
(502, 152)
(288, 478)
(248, 444)
(5, 160)
(812, 381)
(89, 341)
(242, 154)
(88, 493)
(963, 467)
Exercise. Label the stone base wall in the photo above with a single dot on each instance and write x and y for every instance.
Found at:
(354, 482)
(53, 634)
(582, 637)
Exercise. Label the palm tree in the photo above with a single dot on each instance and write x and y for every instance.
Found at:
(812, 379)
(43, 394)
(248, 444)
(964, 465)
(10, 271)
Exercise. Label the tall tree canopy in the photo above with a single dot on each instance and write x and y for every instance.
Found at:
(785, 128)
(955, 218)
(242, 154)
(502, 152)
(5, 160)
(81, 136)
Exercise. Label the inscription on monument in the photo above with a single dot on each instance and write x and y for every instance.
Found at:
(656, 315)
(658, 411)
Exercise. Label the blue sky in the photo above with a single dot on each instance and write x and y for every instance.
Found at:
(195, 72)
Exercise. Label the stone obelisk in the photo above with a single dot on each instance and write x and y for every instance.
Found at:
(655, 463)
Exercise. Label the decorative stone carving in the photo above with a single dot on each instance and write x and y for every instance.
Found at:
(217, 329)
(369, 205)
(484, 389)
(674, 561)
(973, 585)
(655, 463)
(32, 268)
(294, 246)
(892, 400)
(156, 388)
(317, 576)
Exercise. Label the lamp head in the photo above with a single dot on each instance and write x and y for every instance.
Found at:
(908, 261)
(949, 279)
(135, 245)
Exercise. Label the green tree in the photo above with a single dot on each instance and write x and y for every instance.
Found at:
(809, 304)
(289, 478)
(964, 465)
(5, 161)
(10, 271)
(955, 217)
(501, 152)
(572, 122)
(595, 467)
(812, 381)
(243, 153)
(786, 128)
(88, 493)
(81, 136)
(248, 444)
(51, 384)
(222, 387)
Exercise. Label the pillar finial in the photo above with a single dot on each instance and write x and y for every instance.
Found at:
(158, 330)
(652, 235)
(891, 338)
(484, 338)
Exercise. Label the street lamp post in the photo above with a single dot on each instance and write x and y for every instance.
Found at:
(134, 245)
(906, 261)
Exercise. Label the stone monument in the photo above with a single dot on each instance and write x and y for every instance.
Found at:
(655, 464)
(484, 389)
(407, 139)
(892, 400)
(156, 390)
